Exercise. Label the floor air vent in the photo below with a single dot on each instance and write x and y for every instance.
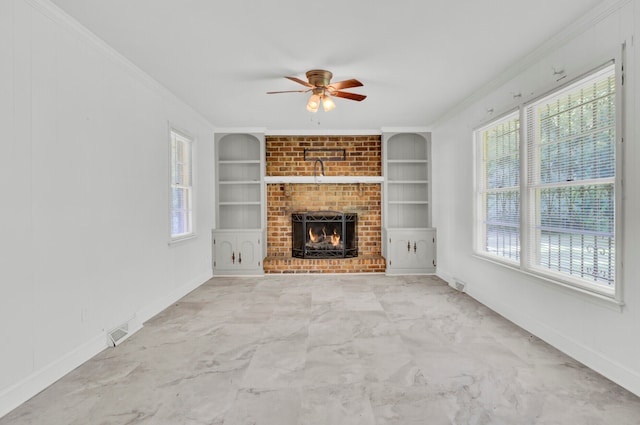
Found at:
(119, 334)
(458, 285)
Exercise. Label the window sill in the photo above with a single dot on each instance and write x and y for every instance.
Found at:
(180, 239)
(597, 298)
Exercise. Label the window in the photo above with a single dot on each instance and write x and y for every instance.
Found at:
(181, 186)
(568, 186)
(571, 180)
(499, 188)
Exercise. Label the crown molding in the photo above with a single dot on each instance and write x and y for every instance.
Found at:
(406, 129)
(595, 15)
(241, 130)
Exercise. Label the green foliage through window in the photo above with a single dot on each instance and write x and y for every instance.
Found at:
(570, 179)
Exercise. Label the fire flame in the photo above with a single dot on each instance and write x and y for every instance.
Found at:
(335, 238)
(312, 236)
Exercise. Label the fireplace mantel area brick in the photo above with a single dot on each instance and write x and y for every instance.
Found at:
(285, 156)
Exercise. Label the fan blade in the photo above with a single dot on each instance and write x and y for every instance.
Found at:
(299, 81)
(350, 96)
(288, 91)
(346, 84)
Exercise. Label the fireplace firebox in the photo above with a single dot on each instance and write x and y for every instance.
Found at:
(324, 234)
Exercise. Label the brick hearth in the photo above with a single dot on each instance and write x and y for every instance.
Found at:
(285, 156)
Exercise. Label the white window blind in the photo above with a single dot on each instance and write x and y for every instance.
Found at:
(498, 201)
(571, 180)
(181, 186)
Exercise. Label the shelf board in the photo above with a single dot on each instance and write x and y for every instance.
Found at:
(408, 181)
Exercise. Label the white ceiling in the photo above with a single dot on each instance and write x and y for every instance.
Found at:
(417, 59)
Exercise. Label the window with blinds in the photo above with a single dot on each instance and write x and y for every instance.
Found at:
(181, 213)
(498, 150)
(571, 138)
(563, 225)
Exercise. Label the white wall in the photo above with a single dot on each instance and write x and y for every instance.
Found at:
(84, 177)
(604, 337)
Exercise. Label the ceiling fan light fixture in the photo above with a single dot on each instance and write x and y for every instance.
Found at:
(319, 83)
(314, 103)
(327, 103)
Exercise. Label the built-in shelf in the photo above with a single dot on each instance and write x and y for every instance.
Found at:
(240, 192)
(408, 240)
(323, 179)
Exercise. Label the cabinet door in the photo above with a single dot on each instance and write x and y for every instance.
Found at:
(224, 252)
(411, 251)
(237, 252)
(400, 250)
(424, 253)
(247, 255)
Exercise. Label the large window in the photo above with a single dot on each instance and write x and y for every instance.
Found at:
(181, 186)
(568, 185)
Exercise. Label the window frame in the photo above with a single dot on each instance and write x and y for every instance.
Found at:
(480, 190)
(615, 292)
(176, 136)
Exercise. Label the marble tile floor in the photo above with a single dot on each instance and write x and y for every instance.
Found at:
(330, 350)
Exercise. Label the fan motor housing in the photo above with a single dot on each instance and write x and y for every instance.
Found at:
(319, 77)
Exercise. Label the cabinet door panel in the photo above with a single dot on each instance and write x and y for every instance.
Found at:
(224, 253)
(247, 253)
(423, 253)
(401, 252)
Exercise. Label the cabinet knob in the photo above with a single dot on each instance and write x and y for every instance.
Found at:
(239, 258)
(233, 258)
(409, 246)
(415, 247)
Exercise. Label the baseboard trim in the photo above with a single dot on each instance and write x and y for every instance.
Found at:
(157, 306)
(22, 391)
(17, 394)
(618, 373)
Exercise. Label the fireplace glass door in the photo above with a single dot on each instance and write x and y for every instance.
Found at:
(324, 234)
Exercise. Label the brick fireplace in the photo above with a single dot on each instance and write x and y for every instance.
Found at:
(342, 156)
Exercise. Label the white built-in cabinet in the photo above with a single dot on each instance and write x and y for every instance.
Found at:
(238, 239)
(237, 251)
(409, 241)
(410, 251)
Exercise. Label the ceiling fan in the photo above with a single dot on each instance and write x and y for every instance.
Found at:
(320, 85)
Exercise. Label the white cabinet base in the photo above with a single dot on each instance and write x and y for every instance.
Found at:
(237, 252)
(409, 251)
